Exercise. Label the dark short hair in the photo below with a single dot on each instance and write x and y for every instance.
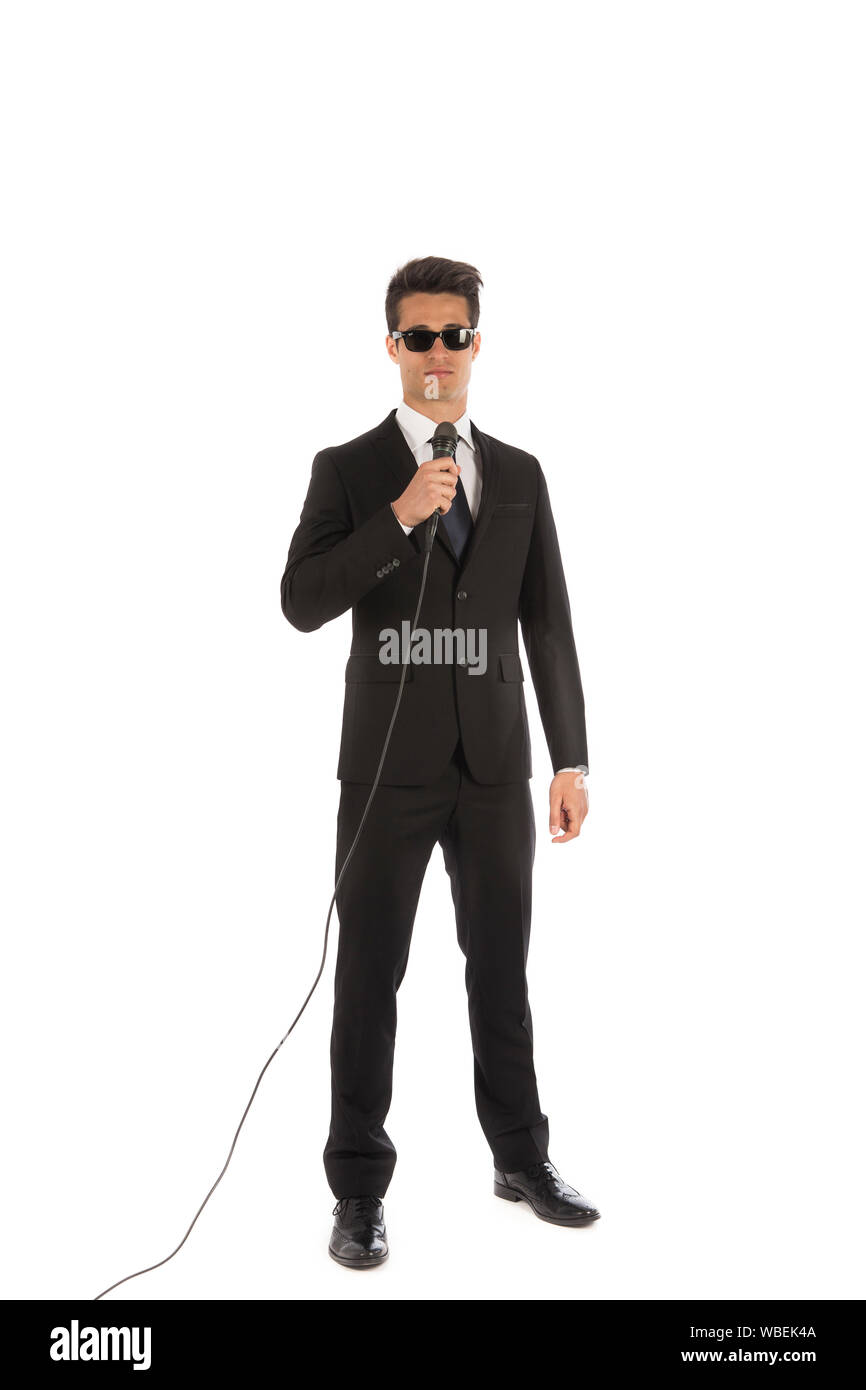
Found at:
(433, 275)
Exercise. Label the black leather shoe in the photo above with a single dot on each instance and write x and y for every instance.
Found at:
(359, 1238)
(549, 1196)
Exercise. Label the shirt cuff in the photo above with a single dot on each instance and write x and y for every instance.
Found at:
(407, 530)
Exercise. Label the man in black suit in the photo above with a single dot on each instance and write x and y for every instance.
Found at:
(458, 763)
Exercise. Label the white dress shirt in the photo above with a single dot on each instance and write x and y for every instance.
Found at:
(417, 430)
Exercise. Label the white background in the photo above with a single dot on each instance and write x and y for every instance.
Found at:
(203, 206)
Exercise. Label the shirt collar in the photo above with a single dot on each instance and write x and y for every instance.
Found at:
(419, 428)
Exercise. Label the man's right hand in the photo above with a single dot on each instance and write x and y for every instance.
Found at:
(434, 485)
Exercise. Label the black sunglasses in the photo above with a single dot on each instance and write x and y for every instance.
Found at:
(422, 339)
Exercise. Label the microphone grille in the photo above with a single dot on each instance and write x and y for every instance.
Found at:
(445, 430)
(444, 440)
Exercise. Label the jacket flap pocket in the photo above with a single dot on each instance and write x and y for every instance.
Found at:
(512, 509)
(510, 668)
(361, 667)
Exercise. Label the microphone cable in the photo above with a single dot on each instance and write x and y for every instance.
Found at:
(444, 446)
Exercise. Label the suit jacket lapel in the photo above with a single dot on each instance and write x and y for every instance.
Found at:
(391, 445)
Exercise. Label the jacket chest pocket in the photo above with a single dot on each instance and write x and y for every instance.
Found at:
(515, 509)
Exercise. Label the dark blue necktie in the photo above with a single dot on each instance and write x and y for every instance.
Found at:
(458, 520)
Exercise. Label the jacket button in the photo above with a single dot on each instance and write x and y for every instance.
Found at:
(461, 593)
(378, 574)
(396, 562)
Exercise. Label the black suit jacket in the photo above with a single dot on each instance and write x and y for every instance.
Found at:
(349, 551)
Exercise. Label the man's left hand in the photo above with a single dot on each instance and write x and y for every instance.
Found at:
(569, 806)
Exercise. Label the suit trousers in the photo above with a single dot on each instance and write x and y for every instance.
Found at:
(487, 834)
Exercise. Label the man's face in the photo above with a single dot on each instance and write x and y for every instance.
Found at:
(437, 376)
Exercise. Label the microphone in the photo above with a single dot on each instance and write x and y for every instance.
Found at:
(445, 439)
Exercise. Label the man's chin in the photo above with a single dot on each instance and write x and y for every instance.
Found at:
(437, 387)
